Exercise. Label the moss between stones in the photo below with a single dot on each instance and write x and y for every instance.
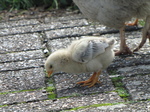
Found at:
(120, 89)
(3, 106)
(51, 92)
(112, 72)
(50, 88)
(52, 95)
(100, 105)
(95, 105)
(3, 93)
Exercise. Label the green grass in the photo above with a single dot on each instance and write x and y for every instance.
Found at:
(25, 4)
(141, 22)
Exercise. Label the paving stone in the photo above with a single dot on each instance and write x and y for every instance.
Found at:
(134, 107)
(138, 87)
(21, 68)
(22, 42)
(28, 96)
(56, 44)
(130, 60)
(75, 31)
(65, 103)
(60, 25)
(22, 80)
(63, 18)
(35, 63)
(64, 24)
(20, 56)
(42, 26)
(132, 40)
(23, 22)
(66, 84)
(134, 70)
(142, 57)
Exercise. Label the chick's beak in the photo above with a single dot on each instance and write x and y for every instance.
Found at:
(49, 73)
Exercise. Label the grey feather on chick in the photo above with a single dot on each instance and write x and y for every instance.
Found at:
(88, 49)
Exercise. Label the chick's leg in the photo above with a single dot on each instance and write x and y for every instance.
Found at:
(92, 80)
(146, 33)
(124, 49)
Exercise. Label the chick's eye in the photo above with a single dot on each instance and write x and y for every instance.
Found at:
(51, 66)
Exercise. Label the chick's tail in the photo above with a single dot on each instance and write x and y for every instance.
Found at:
(111, 42)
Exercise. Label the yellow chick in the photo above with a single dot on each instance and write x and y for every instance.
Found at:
(91, 54)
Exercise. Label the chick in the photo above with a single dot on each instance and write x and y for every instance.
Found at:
(114, 13)
(90, 54)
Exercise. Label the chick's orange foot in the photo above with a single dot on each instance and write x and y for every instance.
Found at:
(91, 81)
(123, 51)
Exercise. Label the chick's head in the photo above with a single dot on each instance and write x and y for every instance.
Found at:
(54, 62)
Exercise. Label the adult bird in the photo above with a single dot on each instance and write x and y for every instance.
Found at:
(114, 13)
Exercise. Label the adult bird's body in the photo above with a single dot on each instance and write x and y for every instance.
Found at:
(114, 13)
(90, 54)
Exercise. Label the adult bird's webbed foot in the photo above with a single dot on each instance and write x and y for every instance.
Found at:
(135, 23)
(91, 81)
(125, 50)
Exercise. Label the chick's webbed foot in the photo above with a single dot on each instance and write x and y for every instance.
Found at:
(91, 81)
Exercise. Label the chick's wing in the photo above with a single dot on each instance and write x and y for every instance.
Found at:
(85, 50)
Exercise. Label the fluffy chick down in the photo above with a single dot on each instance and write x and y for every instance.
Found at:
(90, 54)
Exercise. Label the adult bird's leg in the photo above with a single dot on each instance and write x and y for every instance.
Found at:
(146, 33)
(135, 23)
(92, 80)
(124, 49)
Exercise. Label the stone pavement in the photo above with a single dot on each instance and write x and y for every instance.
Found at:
(24, 86)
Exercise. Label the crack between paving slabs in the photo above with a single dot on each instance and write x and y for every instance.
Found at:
(40, 31)
(100, 32)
